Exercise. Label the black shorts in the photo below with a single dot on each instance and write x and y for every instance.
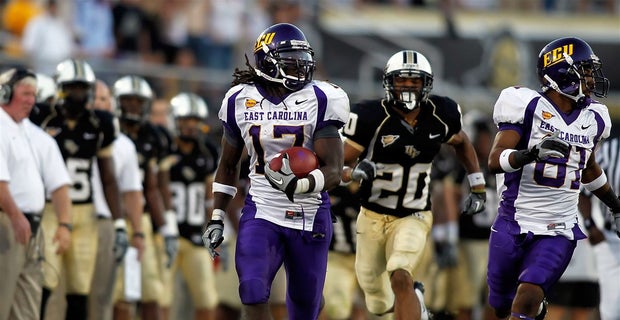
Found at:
(575, 294)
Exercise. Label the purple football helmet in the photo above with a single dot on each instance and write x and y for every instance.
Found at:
(565, 63)
(283, 55)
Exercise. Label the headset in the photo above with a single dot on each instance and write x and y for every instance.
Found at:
(6, 89)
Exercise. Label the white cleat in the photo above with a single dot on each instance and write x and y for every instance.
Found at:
(418, 288)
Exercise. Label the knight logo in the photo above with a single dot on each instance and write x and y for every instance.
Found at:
(263, 39)
(71, 146)
(556, 55)
(188, 173)
(411, 151)
(250, 103)
(547, 115)
(53, 131)
(388, 140)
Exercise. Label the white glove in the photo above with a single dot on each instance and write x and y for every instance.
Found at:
(170, 233)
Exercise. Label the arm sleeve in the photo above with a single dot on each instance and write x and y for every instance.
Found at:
(108, 127)
(127, 171)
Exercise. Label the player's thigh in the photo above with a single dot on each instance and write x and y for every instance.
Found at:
(80, 259)
(226, 278)
(152, 286)
(406, 240)
(278, 288)
(470, 273)
(371, 239)
(340, 285)
(197, 268)
(546, 260)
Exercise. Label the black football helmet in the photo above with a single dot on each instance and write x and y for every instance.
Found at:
(407, 64)
(283, 55)
(565, 63)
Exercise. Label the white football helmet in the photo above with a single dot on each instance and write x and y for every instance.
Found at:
(407, 64)
(133, 86)
(73, 70)
(46, 87)
(189, 105)
(76, 86)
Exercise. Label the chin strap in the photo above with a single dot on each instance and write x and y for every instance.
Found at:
(580, 99)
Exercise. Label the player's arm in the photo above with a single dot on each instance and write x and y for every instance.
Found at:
(108, 181)
(62, 206)
(467, 156)
(595, 180)
(331, 153)
(153, 195)
(351, 154)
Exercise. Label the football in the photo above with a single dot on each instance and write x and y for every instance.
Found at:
(302, 161)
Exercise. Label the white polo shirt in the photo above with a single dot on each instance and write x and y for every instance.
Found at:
(19, 165)
(126, 169)
(54, 171)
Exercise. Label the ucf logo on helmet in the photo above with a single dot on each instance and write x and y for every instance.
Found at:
(556, 55)
(263, 39)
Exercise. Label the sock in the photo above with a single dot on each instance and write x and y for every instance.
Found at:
(77, 307)
(46, 295)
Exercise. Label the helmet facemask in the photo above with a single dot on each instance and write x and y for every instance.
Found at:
(74, 97)
(407, 97)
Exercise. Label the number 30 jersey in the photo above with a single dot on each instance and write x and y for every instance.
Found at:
(267, 125)
(542, 196)
(403, 153)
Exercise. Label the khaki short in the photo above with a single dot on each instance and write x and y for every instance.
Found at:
(152, 288)
(384, 244)
(20, 267)
(100, 298)
(196, 266)
(78, 263)
(226, 279)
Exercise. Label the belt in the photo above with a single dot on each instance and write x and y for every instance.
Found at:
(35, 221)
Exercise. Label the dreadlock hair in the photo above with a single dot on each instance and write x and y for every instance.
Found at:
(247, 76)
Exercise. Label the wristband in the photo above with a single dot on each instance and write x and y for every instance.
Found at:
(218, 214)
(224, 188)
(596, 183)
(303, 185)
(476, 178)
(120, 224)
(66, 225)
(448, 231)
(209, 203)
(319, 180)
(504, 160)
(138, 235)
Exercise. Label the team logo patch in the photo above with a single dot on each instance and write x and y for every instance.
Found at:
(250, 103)
(411, 151)
(71, 146)
(547, 115)
(389, 139)
(188, 173)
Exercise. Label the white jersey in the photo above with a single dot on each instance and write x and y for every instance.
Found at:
(542, 196)
(126, 170)
(267, 126)
(53, 169)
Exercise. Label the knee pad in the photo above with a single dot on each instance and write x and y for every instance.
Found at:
(254, 291)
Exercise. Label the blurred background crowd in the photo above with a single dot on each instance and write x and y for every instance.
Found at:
(476, 48)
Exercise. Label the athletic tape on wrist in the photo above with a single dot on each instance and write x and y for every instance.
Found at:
(224, 188)
(504, 160)
(120, 224)
(218, 214)
(319, 180)
(596, 183)
(476, 178)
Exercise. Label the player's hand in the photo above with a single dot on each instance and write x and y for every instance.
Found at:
(365, 169)
(63, 238)
(121, 241)
(475, 203)
(446, 254)
(551, 147)
(283, 179)
(213, 236)
(170, 233)
(21, 228)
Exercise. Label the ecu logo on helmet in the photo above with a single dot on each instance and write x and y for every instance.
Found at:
(556, 55)
(263, 39)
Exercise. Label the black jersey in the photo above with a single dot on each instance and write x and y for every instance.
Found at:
(79, 145)
(403, 153)
(187, 185)
(345, 206)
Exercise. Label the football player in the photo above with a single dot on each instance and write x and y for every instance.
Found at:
(82, 135)
(543, 152)
(394, 163)
(130, 187)
(133, 96)
(271, 107)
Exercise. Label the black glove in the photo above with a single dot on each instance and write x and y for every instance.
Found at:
(121, 243)
(551, 147)
(475, 202)
(446, 254)
(365, 169)
(283, 179)
(213, 236)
